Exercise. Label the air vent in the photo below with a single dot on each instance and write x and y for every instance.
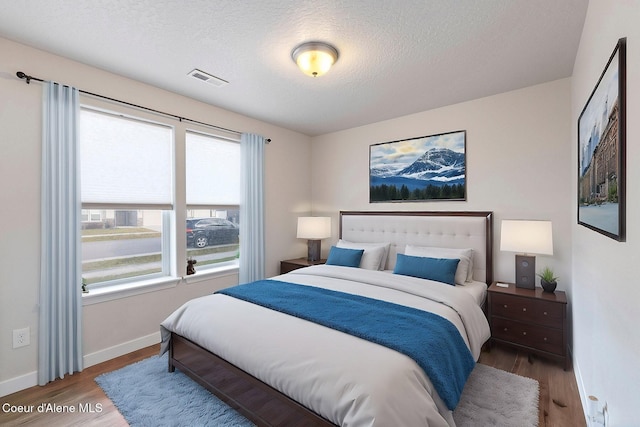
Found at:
(208, 78)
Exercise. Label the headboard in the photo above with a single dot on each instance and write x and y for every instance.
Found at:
(441, 229)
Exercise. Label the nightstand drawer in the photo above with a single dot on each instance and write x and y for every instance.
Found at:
(527, 310)
(535, 336)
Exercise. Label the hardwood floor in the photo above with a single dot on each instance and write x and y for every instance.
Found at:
(559, 399)
(560, 403)
(73, 391)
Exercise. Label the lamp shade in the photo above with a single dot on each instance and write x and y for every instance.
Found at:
(315, 58)
(531, 237)
(314, 227)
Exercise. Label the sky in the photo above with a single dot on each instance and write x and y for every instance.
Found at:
(404, 152)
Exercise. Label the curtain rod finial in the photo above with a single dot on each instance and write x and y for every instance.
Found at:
(22, 75)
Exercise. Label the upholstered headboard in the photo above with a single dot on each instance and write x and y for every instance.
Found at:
(441, 229)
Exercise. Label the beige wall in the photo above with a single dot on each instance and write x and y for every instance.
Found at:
(521, 160)
(122, 324)
(605, 286)
(518, 163)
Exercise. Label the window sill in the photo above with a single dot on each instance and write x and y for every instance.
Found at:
(109, 293)
(124, 290)
(225, 269)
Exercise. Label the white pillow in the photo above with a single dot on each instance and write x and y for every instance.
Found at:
(374, 256)
(464, 272)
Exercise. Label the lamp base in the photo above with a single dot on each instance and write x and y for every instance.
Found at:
(313, 250)
(525, 271)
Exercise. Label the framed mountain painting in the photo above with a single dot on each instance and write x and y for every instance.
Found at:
(419, 169)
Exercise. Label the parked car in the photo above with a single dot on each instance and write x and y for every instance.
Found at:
(203, 232)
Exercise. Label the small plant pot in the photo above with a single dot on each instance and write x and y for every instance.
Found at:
(548, 286)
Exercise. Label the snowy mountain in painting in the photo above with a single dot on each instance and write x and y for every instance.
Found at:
(437, 164)
(386, 170)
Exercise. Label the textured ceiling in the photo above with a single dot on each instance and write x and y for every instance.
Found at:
(396, 57)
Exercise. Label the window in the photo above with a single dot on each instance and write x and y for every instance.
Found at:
(213, 199)
(91, 215)
(127, 197)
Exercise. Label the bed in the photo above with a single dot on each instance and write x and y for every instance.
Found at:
(279, 369)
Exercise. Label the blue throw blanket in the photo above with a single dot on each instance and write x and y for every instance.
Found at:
(432, 341)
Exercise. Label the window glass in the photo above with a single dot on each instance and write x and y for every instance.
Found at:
(127, 196)
(213, 199)
(124, 244)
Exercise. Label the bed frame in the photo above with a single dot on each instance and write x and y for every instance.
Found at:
(266, 406)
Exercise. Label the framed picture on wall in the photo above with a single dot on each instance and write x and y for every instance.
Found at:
(602, 151)
(425, 168)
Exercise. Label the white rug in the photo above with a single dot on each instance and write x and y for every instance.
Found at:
(493, 397)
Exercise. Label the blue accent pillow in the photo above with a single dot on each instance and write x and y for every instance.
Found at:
(344, 257)
(438, 269)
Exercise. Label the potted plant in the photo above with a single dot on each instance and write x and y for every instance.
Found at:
(548, 280)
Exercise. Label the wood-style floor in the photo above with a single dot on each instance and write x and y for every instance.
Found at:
(559, 399)
(559, 403)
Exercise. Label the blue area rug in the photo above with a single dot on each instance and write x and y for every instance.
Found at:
(146, 394)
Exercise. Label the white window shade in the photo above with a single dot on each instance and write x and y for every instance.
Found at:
(212, 170)
(125, 161)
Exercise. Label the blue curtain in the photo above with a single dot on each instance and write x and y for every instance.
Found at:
(59, 332)
(251, 208)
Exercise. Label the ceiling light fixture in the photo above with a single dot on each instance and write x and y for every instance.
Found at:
(314, 58)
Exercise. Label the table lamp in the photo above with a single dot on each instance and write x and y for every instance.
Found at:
(526, 237)
(314, 228)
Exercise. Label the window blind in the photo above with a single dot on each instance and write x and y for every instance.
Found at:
(125, 161)
(212, 170)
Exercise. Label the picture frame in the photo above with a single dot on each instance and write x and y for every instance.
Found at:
(602, 151)
(425, 168)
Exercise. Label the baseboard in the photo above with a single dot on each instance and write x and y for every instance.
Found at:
(25, 381)
(120, 349)
(18, 383)
(581, 391)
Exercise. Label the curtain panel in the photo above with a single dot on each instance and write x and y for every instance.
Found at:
(60, 326)
(251, 208)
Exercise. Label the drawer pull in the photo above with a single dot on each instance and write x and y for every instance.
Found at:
(545, 338)
(524, 309)
(505, 306)
(545, 313)
(524, 333)
(506, 329)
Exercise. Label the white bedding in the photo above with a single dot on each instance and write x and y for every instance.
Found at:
(348, 380)
(478, 290)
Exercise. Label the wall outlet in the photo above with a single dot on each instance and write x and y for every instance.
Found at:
(21, 337)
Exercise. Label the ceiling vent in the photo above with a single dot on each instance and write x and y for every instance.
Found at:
(208, 78)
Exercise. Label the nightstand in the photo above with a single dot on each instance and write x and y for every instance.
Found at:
(530, 319)
(294, 264)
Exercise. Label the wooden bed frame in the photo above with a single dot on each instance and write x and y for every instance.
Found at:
(256, 400)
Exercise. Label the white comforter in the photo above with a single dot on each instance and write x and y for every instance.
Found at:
(348, 380)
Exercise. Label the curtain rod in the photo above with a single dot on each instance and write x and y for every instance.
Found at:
(28, 79)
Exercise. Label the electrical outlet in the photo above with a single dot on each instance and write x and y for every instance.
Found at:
(21, 337)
